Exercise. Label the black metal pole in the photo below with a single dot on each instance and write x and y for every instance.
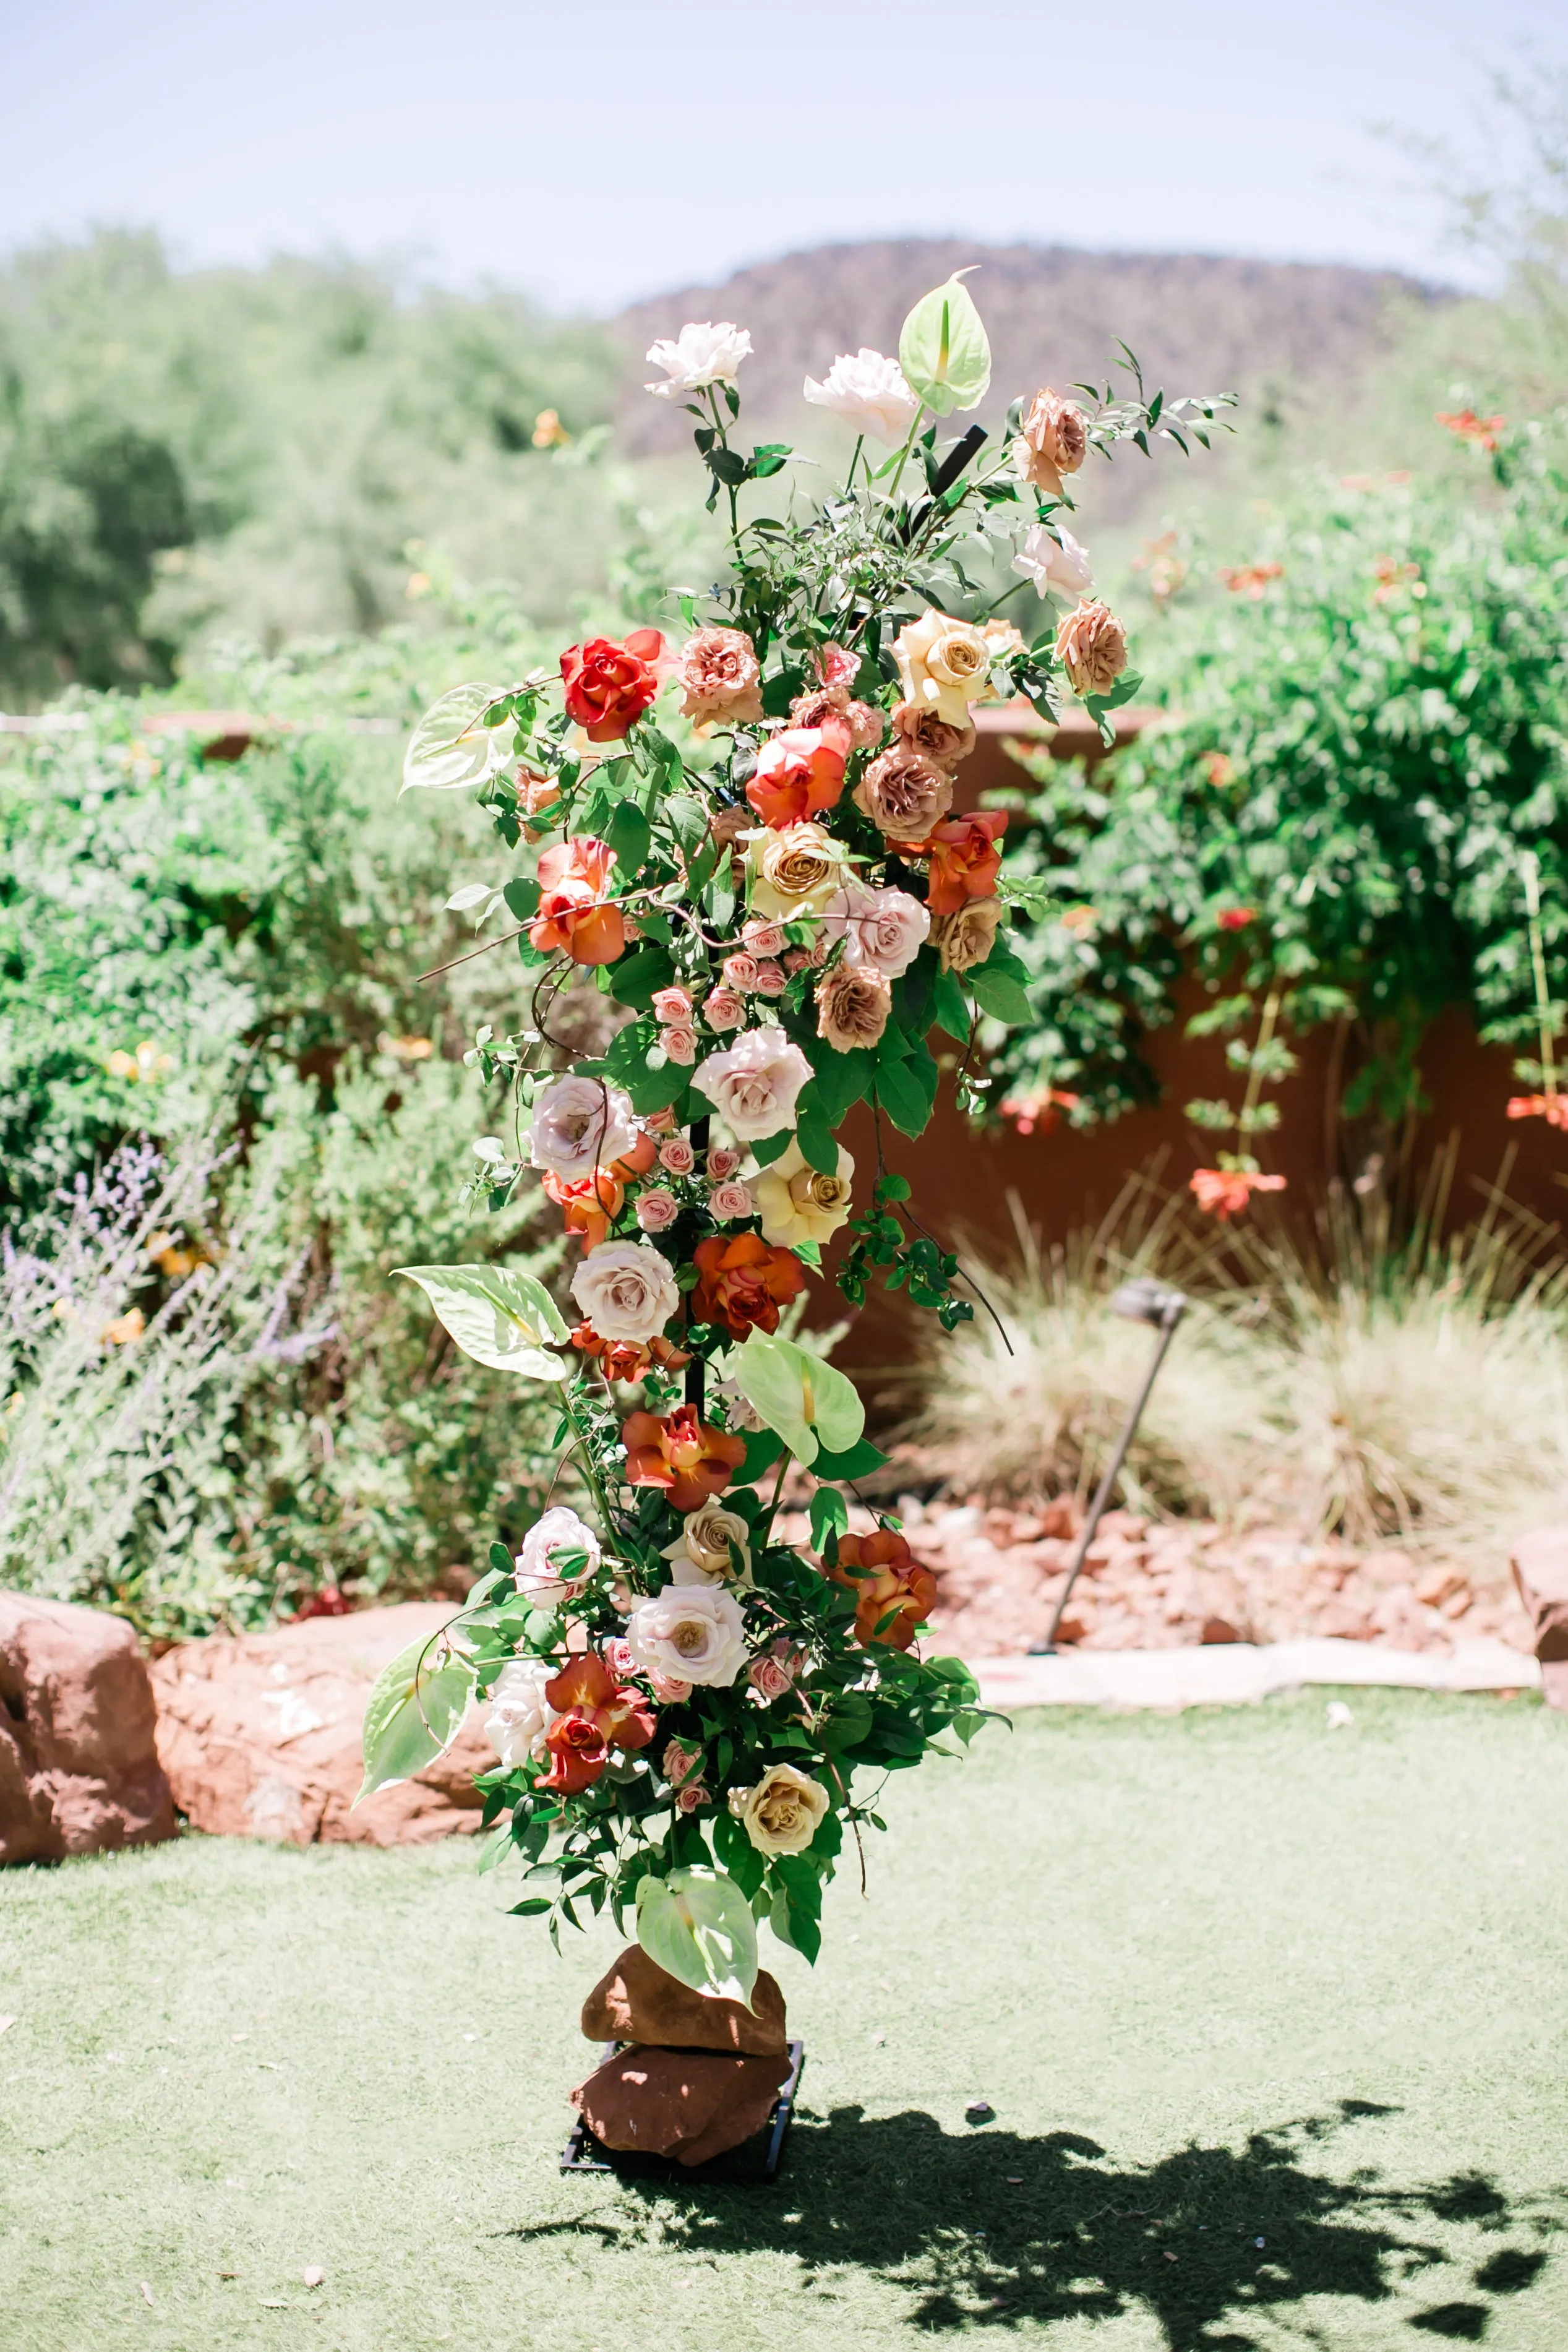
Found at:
(1144, 1302)
(701, 1129)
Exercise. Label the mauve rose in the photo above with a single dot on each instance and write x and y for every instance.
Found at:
(966, 935)
(904, 795)
(722, 1009)
(657, 1209)
(676, 1156)
(693, 1795)
(769, 978)
(764, 938)
(853, 1004)
(769, 1679)
(722, 1162)
(922, 730)
(1092, 647)
(626, 1290)
(669, 1689)
(680, 1046)
(818, 702)
(580, 1125)
(836, 665)
(884, 928)
(740, 972)
(676, 1761)
(727, 1201)
(672, 1005)
(718, 675)
(1055, 441)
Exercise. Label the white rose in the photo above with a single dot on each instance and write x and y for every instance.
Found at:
(1055, 562)
(870, 391)
(883, 928)
(690, 1633)
(798, 1204)
(701, 1552)
(521, 1715)
(558, 1530)
(753, 1084)
(626, 1289)
(780, 1814)
(699, 356)
(581, 1125)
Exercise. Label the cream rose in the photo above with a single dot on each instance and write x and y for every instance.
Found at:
(521, 1715)
(780, 1814)
(966, 937)
(753, 1084)
(581, 1125)
(906, 794)
(942, 664)
(884, 929)
(1092, 647)
(854, 1003)
(558, 1530)
(701, 1552)
(689, 1634)
(796, 872)
(626, 1289)
(798, 1202)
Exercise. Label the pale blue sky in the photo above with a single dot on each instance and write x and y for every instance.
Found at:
(594, 154)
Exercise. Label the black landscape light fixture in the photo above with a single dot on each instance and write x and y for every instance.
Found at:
(1142, 1301)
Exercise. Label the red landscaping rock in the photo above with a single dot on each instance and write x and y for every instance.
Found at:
(260, 1735)
(637, 2000)
(1541, 1572)
(688, 2103)
(79, 1764)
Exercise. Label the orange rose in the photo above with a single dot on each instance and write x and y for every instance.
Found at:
(591, 1202)
(609, 686)
(623, 1359)
(744, 1282)
(573, 917)
(1224, 1192)
(689, 1458)
(965, 860)
(596, 1714)
(799, 773)
(889, 1583)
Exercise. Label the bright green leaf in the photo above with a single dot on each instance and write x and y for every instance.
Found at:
(943, 349)
(805, 1400)
(449, 749)
(496, 1315)
(697, 1924)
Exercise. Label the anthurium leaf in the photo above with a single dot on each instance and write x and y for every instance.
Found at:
(449, 750)
(943, 349)
(856, 1461)
(697, 1924)
(416, 1709)
(801, 1396)
(496, 1315)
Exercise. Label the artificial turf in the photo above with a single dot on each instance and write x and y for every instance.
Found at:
(1273, 2018)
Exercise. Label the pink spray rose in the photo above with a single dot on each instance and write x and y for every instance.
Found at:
(618, 1657)
(693, 1795)
(769, 978)
(680, 1046)
(676, 1156)
(677, 1762)
(672, 1005)
(669, 1689)
(764, 938)
(769, 1679)
(722, 1162)
(740, 971)
(657, 1209)
(723, 1009)
(727, 1201)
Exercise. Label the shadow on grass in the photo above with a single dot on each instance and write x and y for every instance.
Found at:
(994, 2227)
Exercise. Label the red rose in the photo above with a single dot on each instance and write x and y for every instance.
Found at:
(609, 686)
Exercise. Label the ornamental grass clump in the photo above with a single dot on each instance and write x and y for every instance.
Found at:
(781, 881)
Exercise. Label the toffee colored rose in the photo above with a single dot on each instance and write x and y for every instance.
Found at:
(780, 1814)
(717, 672)
(886, 928)
(942, 665)
(680, 1045)
(904, 794)
(610, 685)
(894, 1594)
(723, 1009)
(626, 1289)
(854, 1003)
(672, 1005)
(796, 872)
(965, 860)
(574, 917)
(676, 1156)
(707, 1550)
(656, 1209)
(693, 1631)
(1054, 440)
(1092, 647)
(917, 728)
(754, 1082)
(797, 1202)
(722, 1162)
(743, 1283)
(800, 773)
(966, 936)
(689, 1459)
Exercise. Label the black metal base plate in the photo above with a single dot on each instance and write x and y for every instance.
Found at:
(755, 2159)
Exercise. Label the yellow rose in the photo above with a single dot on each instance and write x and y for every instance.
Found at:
(795, 872)
(942, 664)
(798, 1202)
(780, 1814)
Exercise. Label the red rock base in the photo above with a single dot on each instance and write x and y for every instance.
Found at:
(699, 2075)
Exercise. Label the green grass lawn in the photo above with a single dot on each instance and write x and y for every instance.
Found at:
(1274, 2019)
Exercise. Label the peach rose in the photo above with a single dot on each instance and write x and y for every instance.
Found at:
(680, 1046)
(780, 1814)
(854, 1005)
(920, 729)
(965, 860)
(1092, 647)
(575, 915)
(1054, 440)
(906, 794)
(966, 936)
(722, 1162)
(800, 773)
(722, 1009)
(719, 677)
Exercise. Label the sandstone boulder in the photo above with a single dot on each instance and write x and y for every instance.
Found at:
(260, 1735)
(78, 1762)
(1541, 1572)
(637, 2000)
(688, 2103)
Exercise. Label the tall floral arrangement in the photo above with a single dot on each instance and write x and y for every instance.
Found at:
(783, 881)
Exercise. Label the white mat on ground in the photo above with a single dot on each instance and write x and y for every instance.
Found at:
(1235, 1673)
